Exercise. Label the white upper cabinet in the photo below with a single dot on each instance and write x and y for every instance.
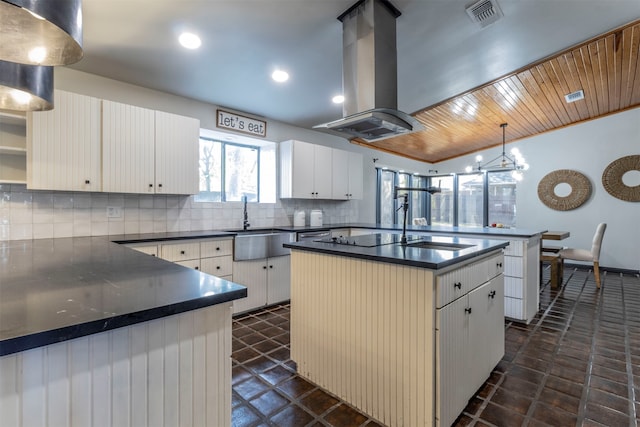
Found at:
(177, 140)
(305, 170)
(63, 145)
(147, 151)
(128, 148)
(347, 181)
(311, 171)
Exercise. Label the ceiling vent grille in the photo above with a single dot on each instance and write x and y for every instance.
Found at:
(484, 12)
(574, 96)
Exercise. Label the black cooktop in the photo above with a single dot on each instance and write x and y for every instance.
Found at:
(368, 240)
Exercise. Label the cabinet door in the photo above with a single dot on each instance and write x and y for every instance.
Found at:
(452, 367)
(278, 279)
(128, 153)
(176, 156)
(322, 172)
(340, 175)
(486, 330)
(63, 145)
(356, 178)
(302, 176)
(146, 249)
(253, 275)
(217, 266)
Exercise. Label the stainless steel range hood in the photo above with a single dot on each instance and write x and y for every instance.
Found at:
(369, 74)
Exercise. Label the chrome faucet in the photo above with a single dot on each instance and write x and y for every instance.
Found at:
(405, 204)
(245, 223)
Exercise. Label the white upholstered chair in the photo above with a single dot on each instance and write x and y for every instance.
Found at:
(419, 221)
(592, 255)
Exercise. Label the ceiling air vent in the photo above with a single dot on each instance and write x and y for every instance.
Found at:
(484, 12)
(574, 96)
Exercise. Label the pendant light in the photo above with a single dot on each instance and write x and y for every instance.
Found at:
(515, 164)
(36, 35)
(41, 32)
(25, 87)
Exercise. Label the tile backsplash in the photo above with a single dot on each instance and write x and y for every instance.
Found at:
(34, 214)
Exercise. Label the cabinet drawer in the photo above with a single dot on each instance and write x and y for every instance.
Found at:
(213, 248)
(513, 287)
(513, 308)
(516, 248)
(147, 249)
(217, 266)
(513, 266)
(452, 285)
(191, 263)
(181, 251)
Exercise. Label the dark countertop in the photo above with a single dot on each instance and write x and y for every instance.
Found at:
(53, 290)
(500, 233)
(395, 253)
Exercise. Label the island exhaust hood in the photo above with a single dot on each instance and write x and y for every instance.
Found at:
(369, 75)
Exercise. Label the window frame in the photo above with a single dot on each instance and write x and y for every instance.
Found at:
(432, 181)
(223, 168)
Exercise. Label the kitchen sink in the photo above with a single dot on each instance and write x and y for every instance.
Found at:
(254, 231)
(440, 246)
(256, 244)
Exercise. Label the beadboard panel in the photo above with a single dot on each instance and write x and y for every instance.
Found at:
(167, 372)
(177, 141)
(383, 363)
(63, 145)
(128, 148)
(513, 266)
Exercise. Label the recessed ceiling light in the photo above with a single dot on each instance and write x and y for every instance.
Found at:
(189, 40)
(338, 99)
(280, 76)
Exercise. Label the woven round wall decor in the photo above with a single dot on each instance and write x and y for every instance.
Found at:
(580, 189)
(612, 178)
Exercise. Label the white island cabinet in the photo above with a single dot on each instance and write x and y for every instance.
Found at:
(405, 344)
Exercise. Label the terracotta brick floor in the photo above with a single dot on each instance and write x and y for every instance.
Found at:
(576, 364)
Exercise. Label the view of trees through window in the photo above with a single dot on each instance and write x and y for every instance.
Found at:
(237, 166)
(469, 200)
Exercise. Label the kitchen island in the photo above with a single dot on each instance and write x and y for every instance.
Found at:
(405, 333)
(93, 333)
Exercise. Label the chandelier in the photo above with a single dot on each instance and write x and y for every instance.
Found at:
(515, 163)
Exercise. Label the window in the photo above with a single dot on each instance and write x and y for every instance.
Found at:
(388, 211)
(441, 206)
(502, 198)
(231, 170)
(469, 200)
(386, 207)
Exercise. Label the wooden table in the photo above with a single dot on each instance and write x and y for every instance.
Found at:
(550, 254)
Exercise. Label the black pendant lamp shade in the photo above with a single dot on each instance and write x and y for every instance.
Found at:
(41, 32)
(26, 87)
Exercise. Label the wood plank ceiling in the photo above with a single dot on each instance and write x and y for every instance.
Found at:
(530, 100)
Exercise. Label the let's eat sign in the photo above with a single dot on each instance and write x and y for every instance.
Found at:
(240, 123)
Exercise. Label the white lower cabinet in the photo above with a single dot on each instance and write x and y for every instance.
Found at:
(469, 344)
(211, 256)
(268, 281)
